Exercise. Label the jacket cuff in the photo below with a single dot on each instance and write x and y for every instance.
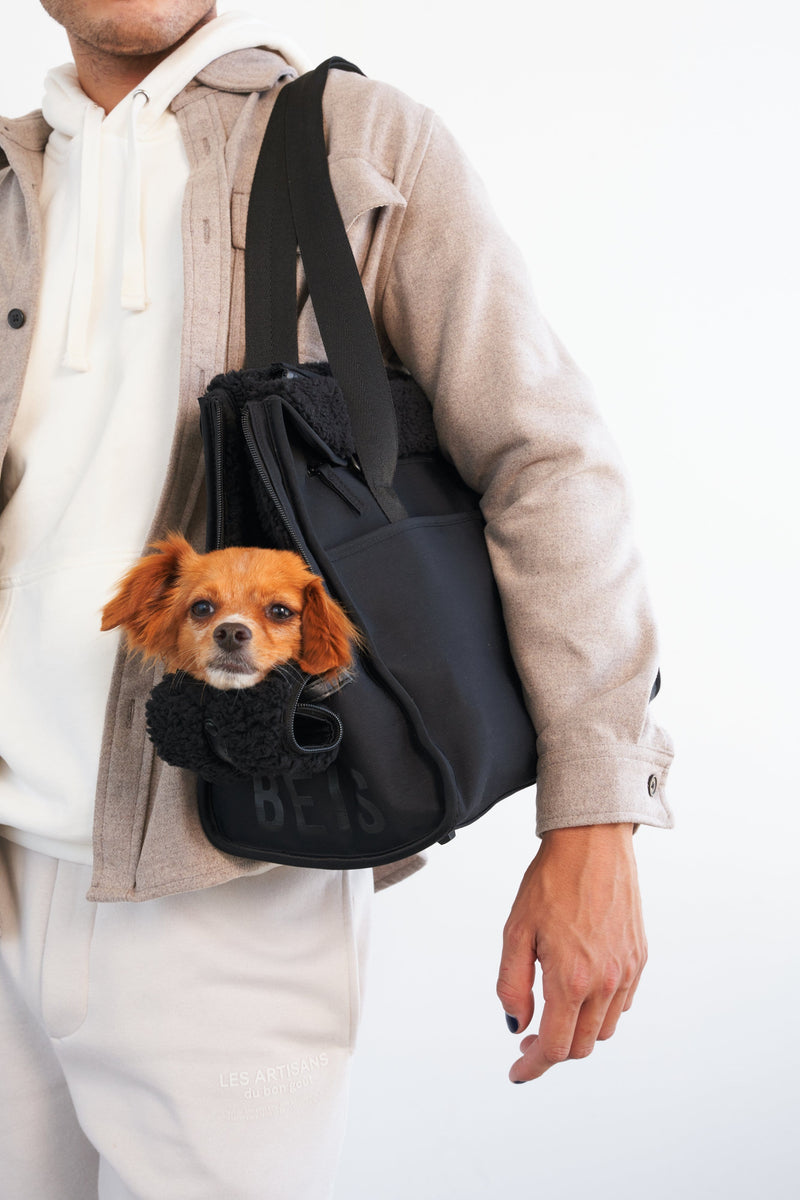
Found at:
(604, 790)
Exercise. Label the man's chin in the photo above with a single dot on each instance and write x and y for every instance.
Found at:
(130, 28)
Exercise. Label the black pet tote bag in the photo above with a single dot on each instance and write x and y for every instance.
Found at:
(339, 462)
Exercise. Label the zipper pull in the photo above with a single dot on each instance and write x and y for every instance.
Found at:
(294, 371)
(333, 480)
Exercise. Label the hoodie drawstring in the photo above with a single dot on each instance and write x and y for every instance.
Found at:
(134, 285)
(133, 295)
(77, 352)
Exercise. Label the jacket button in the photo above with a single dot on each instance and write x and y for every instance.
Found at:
(652, 784)
(16, 318)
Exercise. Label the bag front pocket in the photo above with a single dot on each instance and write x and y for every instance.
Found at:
(424, 593)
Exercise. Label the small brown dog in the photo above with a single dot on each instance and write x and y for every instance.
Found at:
(229, 617)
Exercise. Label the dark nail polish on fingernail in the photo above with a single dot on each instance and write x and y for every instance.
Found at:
(512, 1023)
(517, 1080)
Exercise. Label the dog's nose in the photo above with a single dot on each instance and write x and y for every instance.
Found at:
(230, 635)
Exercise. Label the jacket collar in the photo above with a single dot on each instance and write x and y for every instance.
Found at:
(242, 71)
(29, 133)
(252, 70)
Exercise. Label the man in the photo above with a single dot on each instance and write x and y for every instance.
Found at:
(199, 1043)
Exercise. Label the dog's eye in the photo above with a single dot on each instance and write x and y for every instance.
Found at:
(202, 608)
(279, 612)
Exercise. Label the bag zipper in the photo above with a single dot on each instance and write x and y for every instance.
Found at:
(306, 708)
(330, 718)
(263, 474)
(212, 431)
(218, 435)
(323, 472)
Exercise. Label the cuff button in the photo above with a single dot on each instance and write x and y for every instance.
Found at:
(16, 318)
(652, 785)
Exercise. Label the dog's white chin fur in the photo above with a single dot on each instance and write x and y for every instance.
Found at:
(227, 680)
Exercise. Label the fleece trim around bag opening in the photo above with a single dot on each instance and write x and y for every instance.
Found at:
(234, 734)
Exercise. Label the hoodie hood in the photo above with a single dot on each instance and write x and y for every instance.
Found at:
(82, 130)
(64, 100)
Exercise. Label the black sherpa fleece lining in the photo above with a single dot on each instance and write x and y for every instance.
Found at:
(261, 730)
(316, 396)
(249, 519)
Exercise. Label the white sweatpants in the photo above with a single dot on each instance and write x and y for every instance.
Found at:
(195, 1047)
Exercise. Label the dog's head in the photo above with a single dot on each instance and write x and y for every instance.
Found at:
(231, 616)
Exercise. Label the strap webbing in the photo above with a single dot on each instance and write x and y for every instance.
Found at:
(292, 184)
(270, 277)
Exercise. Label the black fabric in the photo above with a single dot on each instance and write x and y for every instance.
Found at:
(244, 515)
(230, 735)
(270, 301)
(435, 729)
(348, 474)
(295, 141)
(316, 396)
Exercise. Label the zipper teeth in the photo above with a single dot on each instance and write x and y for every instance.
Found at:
(290, 668)
(267, 482)
(319, 473)
(218, 473)
(310, 710)
(313, 710)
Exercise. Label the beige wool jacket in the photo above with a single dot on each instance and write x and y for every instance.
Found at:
(452, 301)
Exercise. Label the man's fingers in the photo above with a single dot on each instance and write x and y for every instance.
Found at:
(634, 986)
(615, 1011)
(551, 1045)
(591, 1022)
(620, 1004)
(515, 977)
(603, 1007)
(569, 1031)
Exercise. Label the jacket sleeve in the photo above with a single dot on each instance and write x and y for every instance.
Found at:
(519, 421)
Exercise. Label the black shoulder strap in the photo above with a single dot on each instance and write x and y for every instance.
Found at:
(270, 276)
(292, 204)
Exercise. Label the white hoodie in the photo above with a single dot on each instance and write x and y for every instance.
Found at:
(91, 440)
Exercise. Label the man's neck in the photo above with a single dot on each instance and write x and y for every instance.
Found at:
(108, 78)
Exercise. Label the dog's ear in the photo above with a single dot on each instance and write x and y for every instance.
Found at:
(327, 634)
(144, 601)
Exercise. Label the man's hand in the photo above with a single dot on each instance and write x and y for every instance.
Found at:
(579, 913)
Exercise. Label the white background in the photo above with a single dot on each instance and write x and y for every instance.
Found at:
(645, 157)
